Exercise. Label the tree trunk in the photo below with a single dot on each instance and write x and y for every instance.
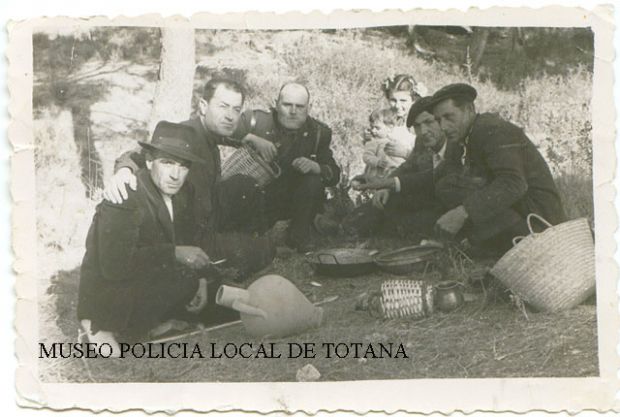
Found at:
(173, 93)
(478, 45)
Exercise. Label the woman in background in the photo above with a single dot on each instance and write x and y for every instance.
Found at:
(402, 91)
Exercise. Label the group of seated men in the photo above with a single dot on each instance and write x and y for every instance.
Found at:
(471, 177)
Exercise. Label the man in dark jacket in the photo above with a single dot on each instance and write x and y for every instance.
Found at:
(218, 116)
(142, 264)
(300, 145)
(405, 201)
(497, 178)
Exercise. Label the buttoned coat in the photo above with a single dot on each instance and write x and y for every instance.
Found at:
(516, 175)
(129, 247)
(312, 140)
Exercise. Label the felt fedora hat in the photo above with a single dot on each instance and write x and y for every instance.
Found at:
(175, 139)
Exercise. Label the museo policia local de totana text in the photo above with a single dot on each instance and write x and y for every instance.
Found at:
(246, 350)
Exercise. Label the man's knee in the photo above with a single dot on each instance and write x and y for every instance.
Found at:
(498, 231)
(453, 189)
(236, 189)
(177, 291)
(240, 204)
(311, 184)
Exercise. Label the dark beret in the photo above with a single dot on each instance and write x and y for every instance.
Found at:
(460, 90)
(418, 107)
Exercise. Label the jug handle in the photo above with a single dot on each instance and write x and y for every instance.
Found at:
(242, 307)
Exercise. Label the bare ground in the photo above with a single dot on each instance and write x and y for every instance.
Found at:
(486, 338)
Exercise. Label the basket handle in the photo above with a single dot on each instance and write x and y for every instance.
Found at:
(277, 171)
(517, 239)
(537, 217)
(318, 256)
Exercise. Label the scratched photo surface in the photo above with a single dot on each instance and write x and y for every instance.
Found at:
(98, 90)
(347, 212)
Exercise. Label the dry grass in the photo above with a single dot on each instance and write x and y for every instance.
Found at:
(487, 337)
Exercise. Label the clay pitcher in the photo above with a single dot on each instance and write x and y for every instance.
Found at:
(271, 306)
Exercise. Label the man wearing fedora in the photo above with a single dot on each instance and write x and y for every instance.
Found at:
(142, 265)
(496, 178)
(219, 204)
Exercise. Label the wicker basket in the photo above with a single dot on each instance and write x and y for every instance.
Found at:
(245, 161)
(403, 298)
(552, 270)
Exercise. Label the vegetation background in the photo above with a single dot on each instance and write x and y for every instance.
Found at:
(94, 89)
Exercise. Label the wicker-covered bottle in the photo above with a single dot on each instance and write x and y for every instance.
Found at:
(400, 298)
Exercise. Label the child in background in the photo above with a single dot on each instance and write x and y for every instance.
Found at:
(378, 164)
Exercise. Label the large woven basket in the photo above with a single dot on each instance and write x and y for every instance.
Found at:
(552, 270)
(245, 161)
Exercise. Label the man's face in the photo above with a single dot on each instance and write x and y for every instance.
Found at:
(454, 121)
(379, 130)
(220, 115)
(400, 102)
(428, 131)
(292, 106)
(168, 173)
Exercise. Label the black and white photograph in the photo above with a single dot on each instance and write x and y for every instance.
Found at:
(387, 201)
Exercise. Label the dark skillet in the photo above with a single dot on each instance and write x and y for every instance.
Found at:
(342, 262)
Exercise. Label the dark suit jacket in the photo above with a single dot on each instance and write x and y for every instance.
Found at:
(128, 247)
(516, 174)
(202, 177)
(417, 175)
(312, 139)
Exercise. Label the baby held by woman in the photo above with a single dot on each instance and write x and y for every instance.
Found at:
(381, 132)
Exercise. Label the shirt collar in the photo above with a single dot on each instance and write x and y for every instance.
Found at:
(465, 140)
(442, 152)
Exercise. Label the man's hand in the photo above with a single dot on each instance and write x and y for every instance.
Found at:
(380, 198)
(115, 189)
(306, 166)
(192, 256)
(451, 222)
(200, 299)
(382, 163)
(357, 181)
(396, 150)
(266, 149)
(375, 183)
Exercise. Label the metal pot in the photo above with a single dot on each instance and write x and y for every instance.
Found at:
(448, 295)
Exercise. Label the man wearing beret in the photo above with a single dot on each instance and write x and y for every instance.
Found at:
(142, 265)
(497, 178)
(405, 200)
(300, 145)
